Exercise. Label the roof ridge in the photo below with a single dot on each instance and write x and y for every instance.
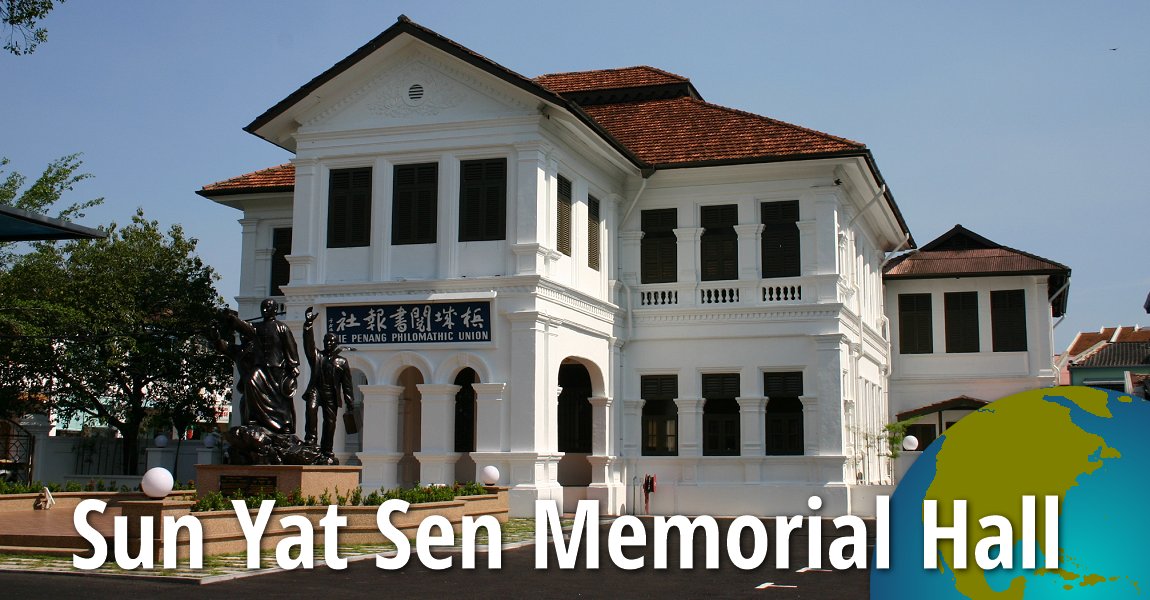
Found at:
(614, 70)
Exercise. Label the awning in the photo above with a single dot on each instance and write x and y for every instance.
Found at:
(18, 225)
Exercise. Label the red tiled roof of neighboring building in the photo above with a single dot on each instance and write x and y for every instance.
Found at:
(275, 179)
(685, 131)
(1085, 339)
(607, 79)
(1131, 334)
(1116, 354)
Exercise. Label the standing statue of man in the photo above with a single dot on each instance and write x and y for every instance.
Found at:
(330, 385)
(268, 362)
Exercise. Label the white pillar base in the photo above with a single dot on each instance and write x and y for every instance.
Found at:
(380, 470)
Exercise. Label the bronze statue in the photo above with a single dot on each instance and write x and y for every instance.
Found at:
(268, 362)
(329, 388)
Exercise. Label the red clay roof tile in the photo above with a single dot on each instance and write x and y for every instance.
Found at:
(687, 131)
(607, 79)
(275, 179)
(961, 252)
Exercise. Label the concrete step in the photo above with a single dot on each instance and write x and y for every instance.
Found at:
(47, 540)
(46, 551)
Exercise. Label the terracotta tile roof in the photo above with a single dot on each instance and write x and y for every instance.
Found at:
(608, 79)
(1117, 354)
(956, 403)
(1131, 334)
(1085, 339)
(686, 131)
(960, 252)
(275, 179)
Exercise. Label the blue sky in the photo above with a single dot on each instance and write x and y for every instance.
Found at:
(1016, 119)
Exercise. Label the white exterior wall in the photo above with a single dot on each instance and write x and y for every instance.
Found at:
(922, 379)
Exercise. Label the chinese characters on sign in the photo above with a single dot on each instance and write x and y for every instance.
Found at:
(409, 323)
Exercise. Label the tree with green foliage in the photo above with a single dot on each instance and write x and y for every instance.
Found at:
(21, 22)
(114, 329)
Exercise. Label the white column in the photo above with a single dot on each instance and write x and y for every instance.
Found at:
(810, 424)
(690, 426)
(630, 253)
(600, 426)
(826, 234)
(752, 426)
(309, 219)
(380, 436)
(829, 365)
(687, 244)
(437, 433)
(38, 426)
(490, 417)
(750, 250)
(633, 427)
(447, 224)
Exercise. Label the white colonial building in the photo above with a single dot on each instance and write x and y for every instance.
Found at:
(584, 278)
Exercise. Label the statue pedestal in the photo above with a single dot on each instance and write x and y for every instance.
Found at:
(310, 480)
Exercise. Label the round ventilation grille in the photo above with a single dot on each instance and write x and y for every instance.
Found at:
(415, 93)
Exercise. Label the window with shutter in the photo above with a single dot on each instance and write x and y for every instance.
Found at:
(719, 245)
(660, 414)
(780, 241)
(563, 217)
(414, 200)
(915, 335)
(961, 321)
(658, 251)
(483, 200)
(784, 417)
(593, 233)
(349, 208)
(721, 414)
(281, 270)
(1008, 320)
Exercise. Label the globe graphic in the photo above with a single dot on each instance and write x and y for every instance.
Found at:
(1090, 447)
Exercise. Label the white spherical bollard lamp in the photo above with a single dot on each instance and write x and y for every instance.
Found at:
(157, 483)
(490, 475)
(910, 443)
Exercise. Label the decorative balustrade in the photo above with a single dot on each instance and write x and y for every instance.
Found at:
(765, 292)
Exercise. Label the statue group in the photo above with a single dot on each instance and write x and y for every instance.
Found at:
(267, 359)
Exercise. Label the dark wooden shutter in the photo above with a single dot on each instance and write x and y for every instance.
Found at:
(483, 200)
(784, 415)
(563, 217)
(414, 204)
(780, 241)
(349, 208)
(281, 270)
(660, 420)
(659, 255)
(961, 321)
(719, 245)
(916, 334)
(721, 414)
(1008, 320)
(593, 233)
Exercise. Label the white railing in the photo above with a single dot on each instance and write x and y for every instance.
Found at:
(764, 292)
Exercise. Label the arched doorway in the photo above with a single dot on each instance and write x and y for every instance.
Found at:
(410, 409)
(465, 424)
(574, 430)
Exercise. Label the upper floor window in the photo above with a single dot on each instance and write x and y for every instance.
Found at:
(281, 270)
(780, 240)
(961, 321)
(349, 208)
(721, 414)
(483, 200)
(657, 250)
(784, 420)
(563, 217)
(660, 414)
(719, 244)
(413, 213)
(1008, 320)
(593, 232)
(915, 335)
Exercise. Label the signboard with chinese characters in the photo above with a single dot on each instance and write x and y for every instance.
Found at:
(411, 322)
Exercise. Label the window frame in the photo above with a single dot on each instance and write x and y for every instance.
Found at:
(420, 199)
(659, 250)
(483, 200)
(659, 421)
(918, 337)
(961, 315)
(719, 244)
(784, 390)
(780, 245)
(721, 419)
(594, 222)
(349, 207)
(1008, 320)
(279, 274)
(564, 205)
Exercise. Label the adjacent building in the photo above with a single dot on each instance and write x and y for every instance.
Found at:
(584, 278)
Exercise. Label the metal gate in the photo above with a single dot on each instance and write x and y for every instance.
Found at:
(16, 451)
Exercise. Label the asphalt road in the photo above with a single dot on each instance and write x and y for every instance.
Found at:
(517, 578)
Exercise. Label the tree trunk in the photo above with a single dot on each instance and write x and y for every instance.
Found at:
(131, 456)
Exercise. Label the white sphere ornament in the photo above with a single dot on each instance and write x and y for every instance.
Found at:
(210, 440)
(910, 443)
(157, 483)
(161, 441)
(490, 475)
